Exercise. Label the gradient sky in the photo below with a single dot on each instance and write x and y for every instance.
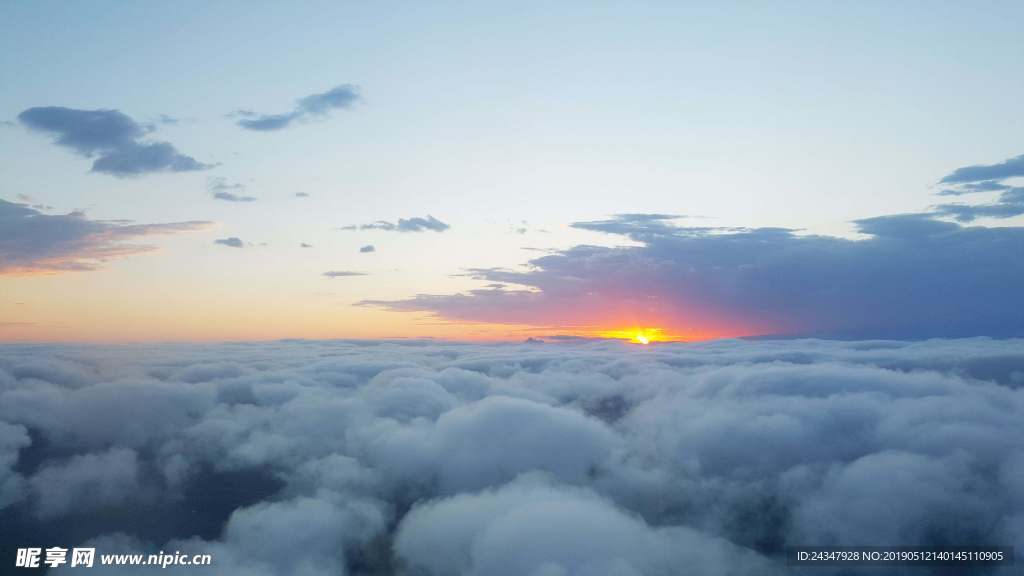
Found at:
(508, 123)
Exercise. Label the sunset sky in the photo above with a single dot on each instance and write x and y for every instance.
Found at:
(203, 171)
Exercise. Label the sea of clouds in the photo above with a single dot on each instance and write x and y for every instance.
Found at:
(540, 459)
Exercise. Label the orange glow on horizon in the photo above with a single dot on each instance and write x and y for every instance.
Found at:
(638, 335)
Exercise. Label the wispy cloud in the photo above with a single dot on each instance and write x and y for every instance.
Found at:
(112, 138)
(221, 189)
(1009, 204)
(342, 274)
(230, 242)
(310, 107)
(417, 224)
(33, 202)
(34, 242)
(985, 178)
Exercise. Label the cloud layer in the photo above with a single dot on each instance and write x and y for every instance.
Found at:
(34, 242)
(111, 137)
(592, 458)
(912, 276)
(312, 106)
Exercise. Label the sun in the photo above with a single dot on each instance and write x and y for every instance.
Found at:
(637, 335)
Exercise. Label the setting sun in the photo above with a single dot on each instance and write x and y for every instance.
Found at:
(636, 335)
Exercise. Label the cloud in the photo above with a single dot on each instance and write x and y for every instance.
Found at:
(222, 190)
(111, 137)
(26, 199)
(577, 458)
(533, 526)
(304, 245)
(34, 242)
(1011, 168)
(1009, 204)
(301, 195)
(912, 276)
(974, 187)
(416, 224)
(367, 248)
(977, 179)
(342, 273)
(86, 483)
(169, 120)
(12, 485)
(232, 242)
(267, 122)
(632, 224)
(312, 106)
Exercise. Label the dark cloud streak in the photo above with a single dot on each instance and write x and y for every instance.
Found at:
(312, 106)
(1011, 168)
(230, 242)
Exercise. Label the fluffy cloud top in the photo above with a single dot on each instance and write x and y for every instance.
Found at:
(584, 459)
(111, 137)
(533, 526)
(312, 106)
(33, 242)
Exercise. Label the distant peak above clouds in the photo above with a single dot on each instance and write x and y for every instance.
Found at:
(309, 107)
(114, 139)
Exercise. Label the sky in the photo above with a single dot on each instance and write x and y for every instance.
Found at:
(237, 171)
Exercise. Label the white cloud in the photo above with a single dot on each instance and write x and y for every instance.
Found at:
(470, 459)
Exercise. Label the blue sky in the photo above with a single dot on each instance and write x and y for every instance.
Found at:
(494, 119)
